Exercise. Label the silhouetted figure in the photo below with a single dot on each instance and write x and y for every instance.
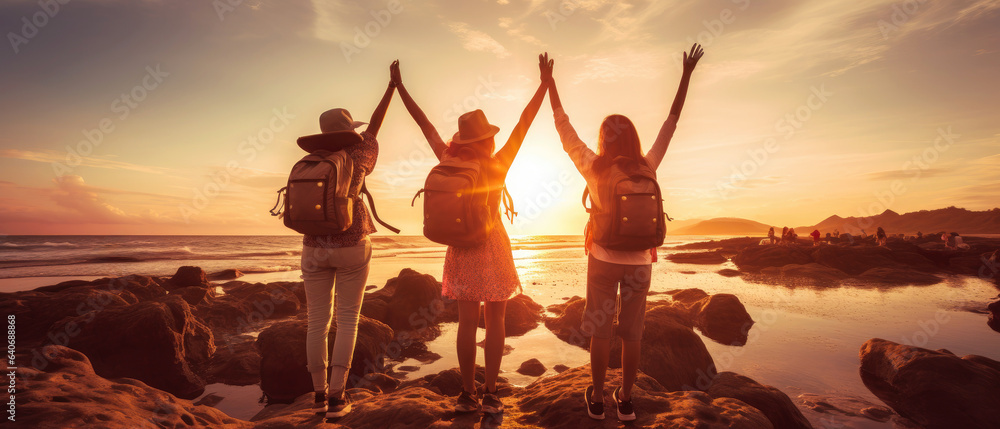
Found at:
(609, 269)
(880, 237)
(770, 236)
(482, 273)
(816, 236)
(792, 236)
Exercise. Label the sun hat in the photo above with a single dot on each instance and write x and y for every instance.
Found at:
(473, 127)
(337, 127)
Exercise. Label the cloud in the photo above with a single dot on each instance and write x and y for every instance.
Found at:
(477, 41)
(623, 64)
(72, 193)
(69, 161)
(519, 31)
(906, 174)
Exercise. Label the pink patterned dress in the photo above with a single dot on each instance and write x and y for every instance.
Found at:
(485, 272)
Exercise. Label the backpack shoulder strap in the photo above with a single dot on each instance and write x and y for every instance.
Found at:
(371, 204)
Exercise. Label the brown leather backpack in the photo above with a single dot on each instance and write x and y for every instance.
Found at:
(631, 215)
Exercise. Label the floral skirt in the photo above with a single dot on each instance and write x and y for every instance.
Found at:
(482, 273)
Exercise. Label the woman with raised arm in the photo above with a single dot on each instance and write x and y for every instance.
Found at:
(483, 273)
(336, 265)
(609, 269)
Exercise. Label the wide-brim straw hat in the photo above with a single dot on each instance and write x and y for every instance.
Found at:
(473, 127)
(338, 130)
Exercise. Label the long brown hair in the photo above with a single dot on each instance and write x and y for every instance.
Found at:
(617, 138)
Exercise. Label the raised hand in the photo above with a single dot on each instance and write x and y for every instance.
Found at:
(691, 59)
(394, 76)
(545, 65)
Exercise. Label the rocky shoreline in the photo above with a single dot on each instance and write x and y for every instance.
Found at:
(135, 350)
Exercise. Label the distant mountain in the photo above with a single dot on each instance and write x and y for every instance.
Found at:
(681, 223)
(948, 219)
(722, 226)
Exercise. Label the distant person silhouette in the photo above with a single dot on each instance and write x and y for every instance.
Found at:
(816, 236)
(880, 237)
(608, 270)
(770, 236)
(484, 273)
(792, 237)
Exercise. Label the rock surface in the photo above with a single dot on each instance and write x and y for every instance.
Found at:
(811, 270)
(935, 389)
(282, 346)
(700, 258)
(895, 275)
(723, 318)
(532, 367)
(672, 353)
(522, 314)
(778, 408)
(189, 276)
(67, 393)
(449, 382)
(410, 301)
(755, 258)
(153, 341)
(557, 402)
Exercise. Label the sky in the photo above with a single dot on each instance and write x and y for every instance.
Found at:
(180, 117)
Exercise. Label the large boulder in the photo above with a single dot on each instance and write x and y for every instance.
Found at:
(935, 389)
(67, 393)
(532, 367)
(723, 318)
(778, 408)
(521, 315)
(755, 258)
(566, 324)
(153, 341)
(188, 276)
(673, 354)
(282, 346)
(410, 301)
(558, 402)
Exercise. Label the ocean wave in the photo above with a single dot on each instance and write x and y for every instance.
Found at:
(45, 244)
(271, 269)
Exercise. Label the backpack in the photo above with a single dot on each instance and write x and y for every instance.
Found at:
(320, 198)
(631, 215)
(457, 208)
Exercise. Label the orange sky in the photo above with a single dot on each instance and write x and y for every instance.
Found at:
(174, 117)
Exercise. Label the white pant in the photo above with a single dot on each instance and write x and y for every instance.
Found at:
(322, 269)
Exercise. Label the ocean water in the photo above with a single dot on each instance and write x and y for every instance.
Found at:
(806, 339)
